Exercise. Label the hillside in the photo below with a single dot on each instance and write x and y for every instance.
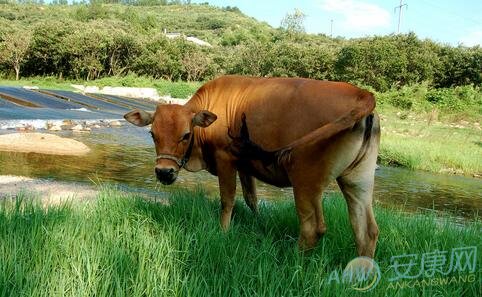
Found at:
(101, 40)
(213, 24)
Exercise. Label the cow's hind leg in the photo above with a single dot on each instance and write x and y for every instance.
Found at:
(248, 185)
(357, 187)
(310, 214)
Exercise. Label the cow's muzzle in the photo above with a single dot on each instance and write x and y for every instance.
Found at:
(166, 175)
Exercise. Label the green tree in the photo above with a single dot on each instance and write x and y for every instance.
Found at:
(196, 64)
(48, 53)
(14, 45)
(251, 58)
(122, 51)
(294, 22)
(460, 66)
(88, 52)
(290, 58)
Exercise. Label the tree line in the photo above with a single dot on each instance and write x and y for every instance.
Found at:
(89, 43)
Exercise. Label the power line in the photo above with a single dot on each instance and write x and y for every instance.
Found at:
(400, 7)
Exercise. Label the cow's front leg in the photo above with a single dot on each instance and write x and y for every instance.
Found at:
(249, 190)
(227, 188)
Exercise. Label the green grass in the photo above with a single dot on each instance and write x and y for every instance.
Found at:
(416, 142)
(176, 89)
(47, 82)
(121, 245)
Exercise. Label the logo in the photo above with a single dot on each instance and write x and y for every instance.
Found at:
(434, 268)
(361, 274)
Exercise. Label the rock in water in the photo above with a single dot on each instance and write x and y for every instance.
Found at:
(115, 124)
(42, 143)
(77, 128)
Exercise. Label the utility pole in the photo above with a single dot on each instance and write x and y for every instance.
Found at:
(331, 28)
(400, 7)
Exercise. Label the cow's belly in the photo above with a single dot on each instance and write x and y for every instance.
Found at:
(269, 173)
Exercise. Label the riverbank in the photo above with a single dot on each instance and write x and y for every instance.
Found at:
(121, 244)
(178, 89)
(47, 191)
(419, 142)
(431, 138)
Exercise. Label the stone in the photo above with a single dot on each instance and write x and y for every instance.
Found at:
(55, 128)
(115, 124)
(42, 143)
(77, 128)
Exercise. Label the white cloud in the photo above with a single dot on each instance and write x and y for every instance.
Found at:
(473, 38)
(357, 15)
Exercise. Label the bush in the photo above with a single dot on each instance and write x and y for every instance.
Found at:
(98, 40)
(177, 89)
(456, 99)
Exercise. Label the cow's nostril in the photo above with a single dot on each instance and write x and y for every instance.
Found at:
(164, 171)
(165, 175)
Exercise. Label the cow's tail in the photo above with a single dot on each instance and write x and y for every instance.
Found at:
(371, 134)
(365, 105)
(243, 147)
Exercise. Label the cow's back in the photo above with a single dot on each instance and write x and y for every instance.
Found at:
(278, 110)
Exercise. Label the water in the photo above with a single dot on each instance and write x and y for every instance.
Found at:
(126, 155)
(21, 104)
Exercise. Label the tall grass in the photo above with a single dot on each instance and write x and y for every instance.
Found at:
(122, 245)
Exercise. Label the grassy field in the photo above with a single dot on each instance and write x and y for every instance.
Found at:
(122, 245)
(418, 142)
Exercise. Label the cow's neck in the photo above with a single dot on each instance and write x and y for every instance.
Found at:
(196, 161)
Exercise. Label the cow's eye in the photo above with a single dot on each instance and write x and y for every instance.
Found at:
(186, 136)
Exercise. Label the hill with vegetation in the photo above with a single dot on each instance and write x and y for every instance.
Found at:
(90, 41)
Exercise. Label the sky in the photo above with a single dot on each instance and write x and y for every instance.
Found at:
(453, 22)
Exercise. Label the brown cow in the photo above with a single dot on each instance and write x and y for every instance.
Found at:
(284, 131)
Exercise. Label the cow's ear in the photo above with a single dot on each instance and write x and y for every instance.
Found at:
(139, 117)
(204, 118)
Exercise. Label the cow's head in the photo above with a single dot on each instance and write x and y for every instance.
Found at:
(172, 131)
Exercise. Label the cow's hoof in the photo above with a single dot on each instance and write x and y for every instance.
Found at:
(306, 245)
